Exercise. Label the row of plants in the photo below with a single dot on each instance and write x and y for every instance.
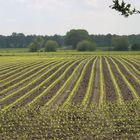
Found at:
(33, 89)
(37, 98)
(11, 71)
(102, 88)
(129, 71)
(73, 91)
(133, 91)
(117, 88)
(23, 69)
(132, 66)
(90, 84)
(18, 93)
(64, 87)
(22, 78)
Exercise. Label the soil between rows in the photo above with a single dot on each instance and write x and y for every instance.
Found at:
(52, 92)
(81, 91)
(67, 90)
(11, 83)
(26, 81)
(126, 93)
(95, 92)
(129, 78)
(135, 65)
(132, 70)
(43, 87)
(23, 71)
(9, 66)
(16, 71)
(110, 93)
(25, 91)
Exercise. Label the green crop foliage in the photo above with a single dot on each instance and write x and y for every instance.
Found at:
(135, 95)
(33, 90)
(68, 100)
(127, 69)
(88, 92)
(101, 100)
(51, 85)
(38, 96)
(118, 92)
(64, 85)
(132, 66)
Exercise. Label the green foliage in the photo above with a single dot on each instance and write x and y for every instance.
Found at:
(110, 122)
(124, 8)
(135, 47)
(51, 46)
(36, 44)
(33, 47)
(73, 37)
(22, 41)
(86, 46)
(120, 43)
(39, 41)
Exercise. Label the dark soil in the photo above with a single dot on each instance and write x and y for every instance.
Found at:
(95, 93)
(110, 93)
(81, 91)
(126, 93)
(65, 93)
(136, 66)
(42, 88)
(16, 70)
(52, 92)
(129, 78)
(20, 78)
(25, 91)
(16, 87)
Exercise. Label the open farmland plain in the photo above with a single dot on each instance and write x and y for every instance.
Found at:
(79, 96)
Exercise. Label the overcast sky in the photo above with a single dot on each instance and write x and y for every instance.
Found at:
(48, 17)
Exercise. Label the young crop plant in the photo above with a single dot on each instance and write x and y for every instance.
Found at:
(133, 91)
(72, 93)
(102, 88)
(16, 70)
(118, 92)
(133, 61)
(23, 80)
(137, 60)
(128, 70)
(35, 88)
(18, 78)
(50, 102)
(18, 74)
(132, 66)
(89, 89)
(51, 85)
(12, 67)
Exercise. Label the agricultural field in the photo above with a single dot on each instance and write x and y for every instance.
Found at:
(73, 96)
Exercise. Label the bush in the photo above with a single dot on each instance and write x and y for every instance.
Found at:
(74, 36)
(120, 43)
(51, 46)
(135, 47)
(86, 46)
(33, 48)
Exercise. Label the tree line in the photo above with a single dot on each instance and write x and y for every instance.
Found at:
(78, 39)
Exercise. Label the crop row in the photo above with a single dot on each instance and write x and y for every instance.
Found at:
(82, 80)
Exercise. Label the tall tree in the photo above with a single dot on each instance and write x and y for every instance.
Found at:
(73, 37)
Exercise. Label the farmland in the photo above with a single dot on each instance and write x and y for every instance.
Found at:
(66, 96)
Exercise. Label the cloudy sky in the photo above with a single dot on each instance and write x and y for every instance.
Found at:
(48, 17)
